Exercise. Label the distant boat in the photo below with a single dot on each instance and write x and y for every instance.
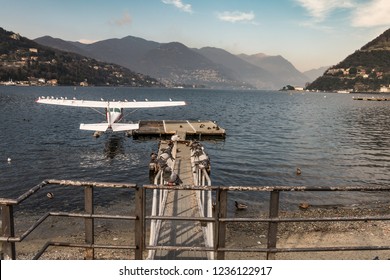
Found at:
(343, 91)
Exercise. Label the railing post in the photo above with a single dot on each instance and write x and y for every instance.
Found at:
(220, 233)
(89, 223)
(139, 231)
(8, 230)
(273, 226)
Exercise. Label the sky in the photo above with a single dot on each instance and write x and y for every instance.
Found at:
(308, 33)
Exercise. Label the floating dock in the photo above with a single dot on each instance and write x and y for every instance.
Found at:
(164, 129)
(371, 98)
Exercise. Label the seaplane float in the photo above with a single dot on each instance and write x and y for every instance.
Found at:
(113, 111)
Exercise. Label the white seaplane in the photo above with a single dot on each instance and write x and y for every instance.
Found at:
(114, 111)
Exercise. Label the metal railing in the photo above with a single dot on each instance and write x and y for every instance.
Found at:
(159, 202)
(9, 239)
(205, 204)
(220, 219)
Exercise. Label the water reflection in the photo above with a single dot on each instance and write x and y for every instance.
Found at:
(114, 146)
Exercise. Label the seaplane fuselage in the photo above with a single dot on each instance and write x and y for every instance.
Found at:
(113, 115)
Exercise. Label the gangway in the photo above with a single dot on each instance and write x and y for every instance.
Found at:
(189, 162)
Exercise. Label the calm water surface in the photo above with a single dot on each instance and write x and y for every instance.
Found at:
(331, 138)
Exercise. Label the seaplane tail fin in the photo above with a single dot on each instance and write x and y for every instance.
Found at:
(94, 126)
(124, 126)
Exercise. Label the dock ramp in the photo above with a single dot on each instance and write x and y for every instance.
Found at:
(180, 238)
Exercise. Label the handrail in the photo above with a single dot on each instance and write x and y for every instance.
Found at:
(204, 197)
(9, 239)
(159, 203)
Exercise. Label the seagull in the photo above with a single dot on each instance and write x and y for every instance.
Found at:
(240, 206)
(299, 172)
(170, 99)
(175, 137)
(9, 160)
(134, 100)
(101, 99)
(146, 99)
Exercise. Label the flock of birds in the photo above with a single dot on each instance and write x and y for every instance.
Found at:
(201, 159)
(101, 99)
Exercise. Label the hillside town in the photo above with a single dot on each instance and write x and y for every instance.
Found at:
(26, 63)
(359, 72)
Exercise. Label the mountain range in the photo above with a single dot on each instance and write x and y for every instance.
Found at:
(175, 64)
(120, 62)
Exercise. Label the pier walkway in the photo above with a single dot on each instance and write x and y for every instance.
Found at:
(180, 203)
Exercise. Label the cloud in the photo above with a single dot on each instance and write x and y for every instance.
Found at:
(124, 20)
(179, 4)
(369, 13)
(236, 16)
(320, 9)
(87, 41)
(374, 13)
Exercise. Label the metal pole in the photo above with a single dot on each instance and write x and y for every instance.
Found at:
(139, 231)
(221, 226)
(273, 226)
(8, 230)
(89, 223)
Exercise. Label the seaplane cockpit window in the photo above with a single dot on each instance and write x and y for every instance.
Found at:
(115, 110)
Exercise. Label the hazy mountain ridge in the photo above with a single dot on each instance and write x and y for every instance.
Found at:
(278, 67)
(240, 69)
(313, 74)
(211, 67)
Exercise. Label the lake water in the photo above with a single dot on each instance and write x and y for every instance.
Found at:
(334, 140)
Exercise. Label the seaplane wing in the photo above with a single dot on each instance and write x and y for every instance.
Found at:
(110, 104)
(114, 111)
(73, 102)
